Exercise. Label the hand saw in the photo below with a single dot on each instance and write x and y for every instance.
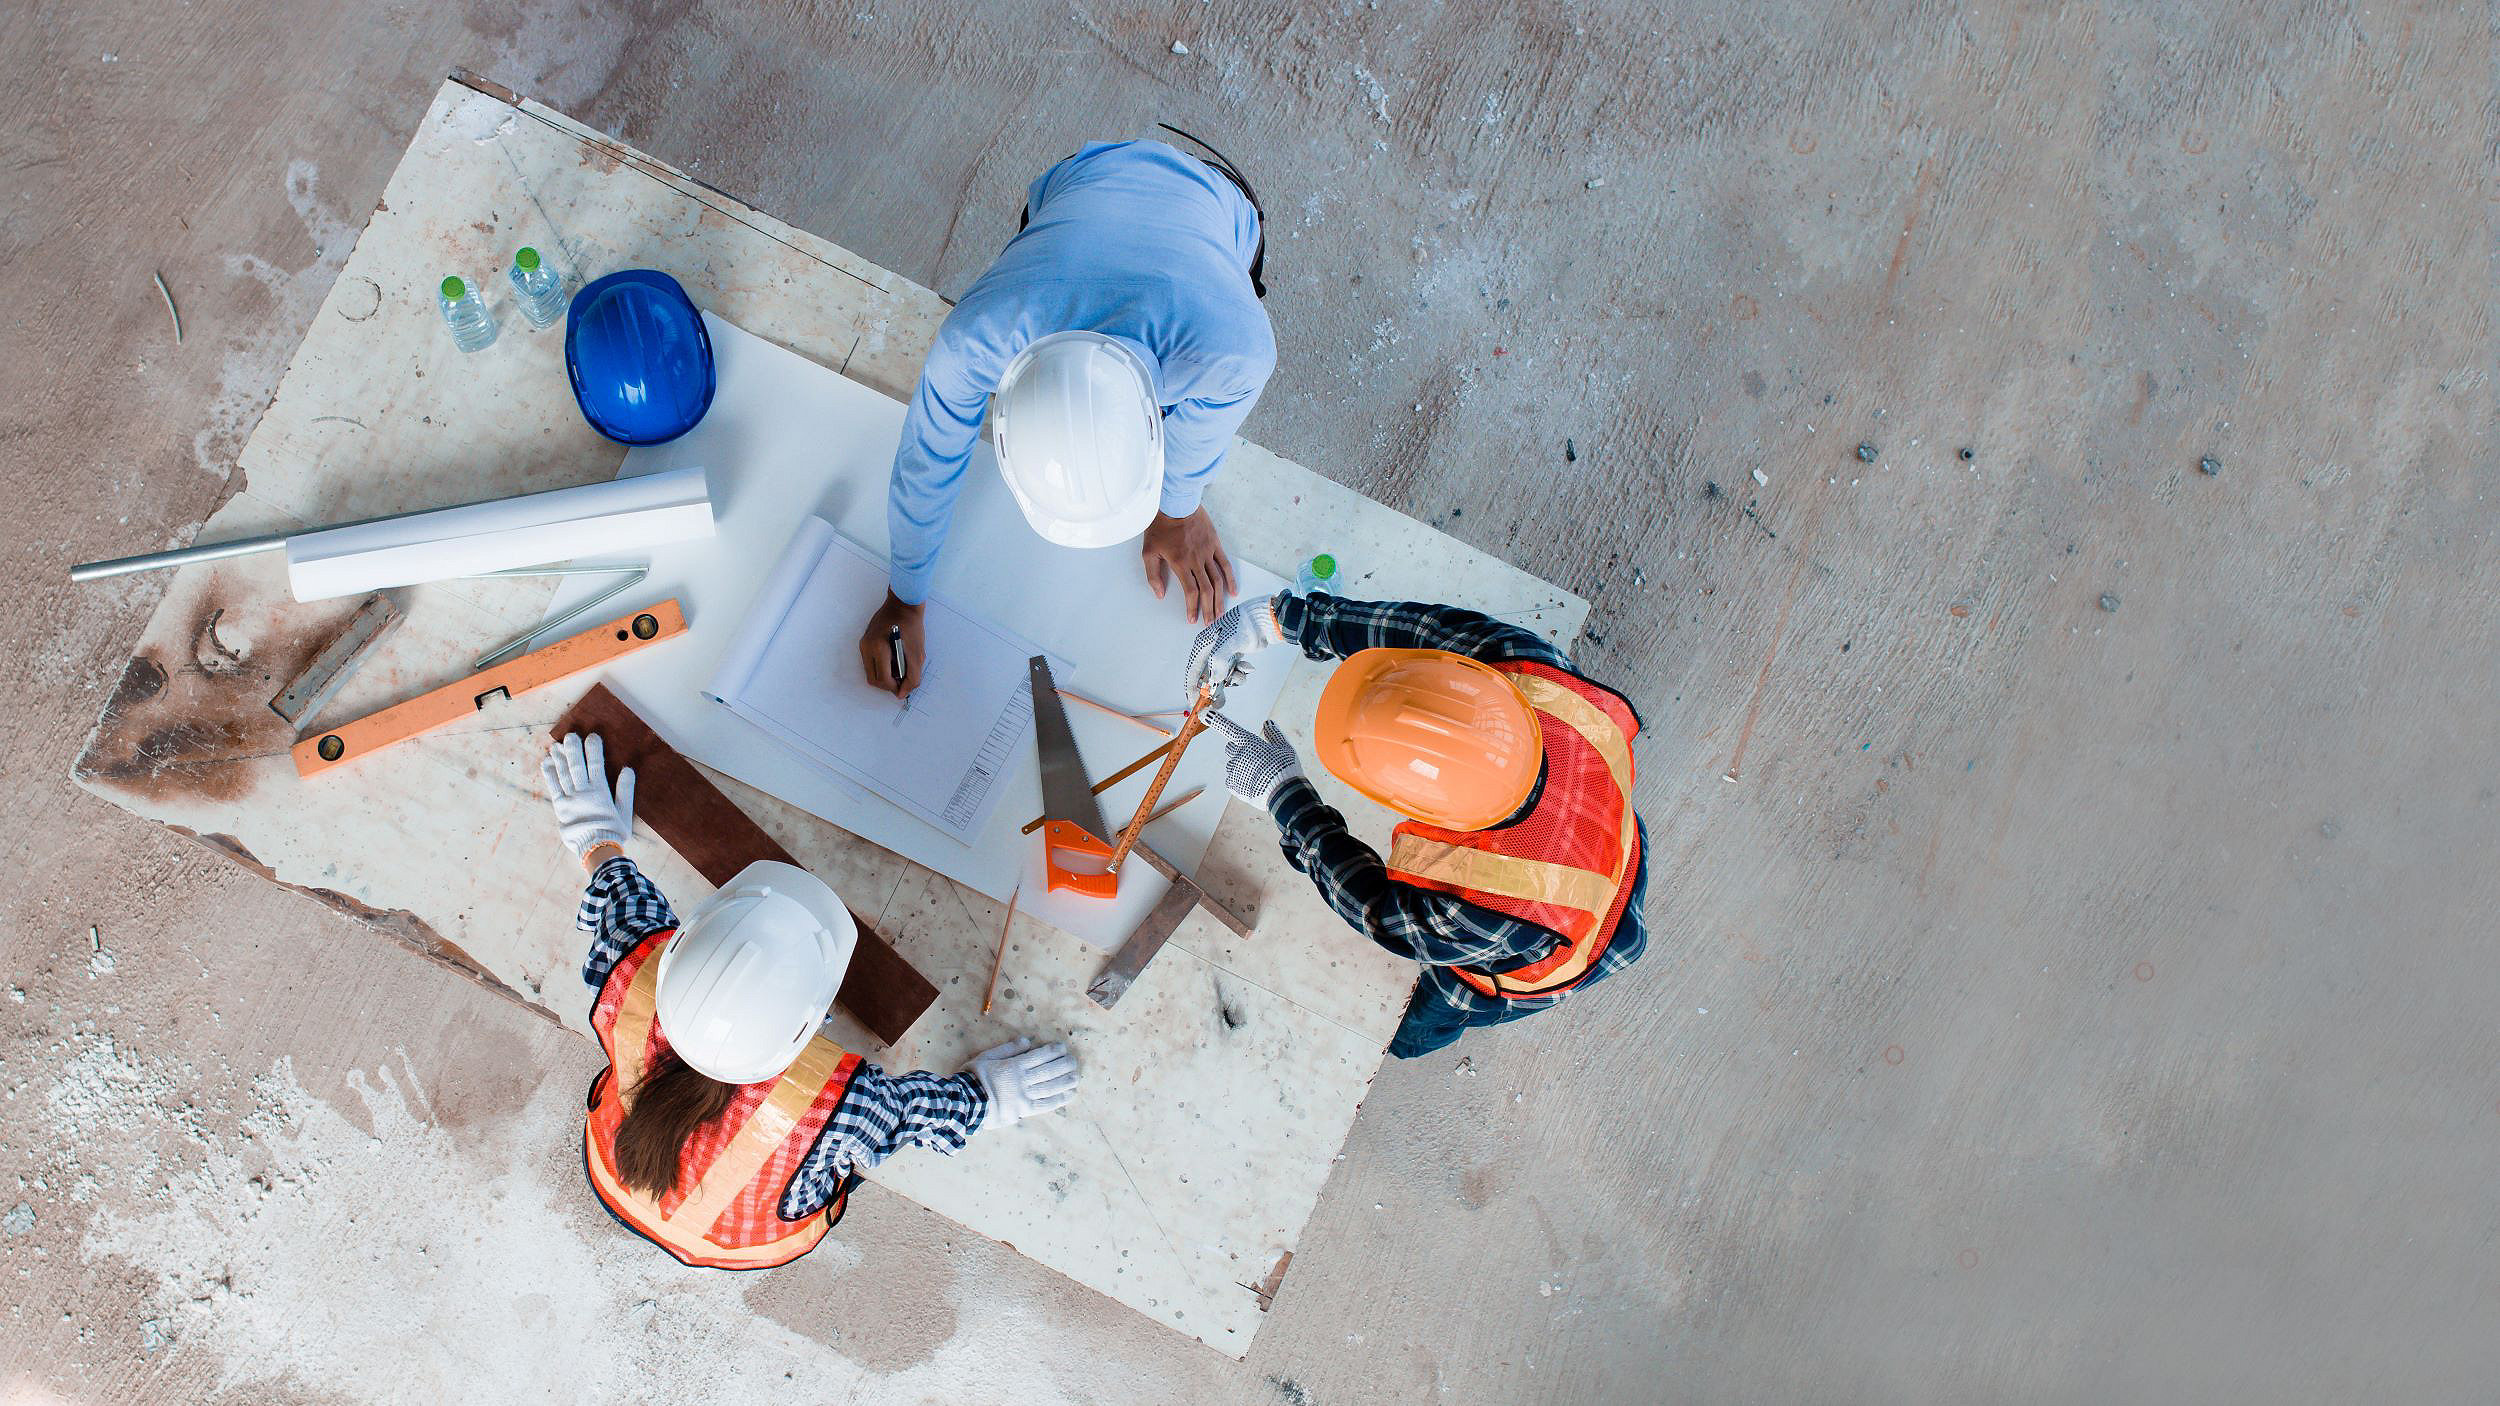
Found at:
(1071, 817)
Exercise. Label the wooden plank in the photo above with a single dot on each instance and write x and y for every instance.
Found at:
(693, 817)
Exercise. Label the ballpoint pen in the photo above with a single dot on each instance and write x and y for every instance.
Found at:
(894, 649)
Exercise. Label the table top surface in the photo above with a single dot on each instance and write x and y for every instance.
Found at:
(1218, 1091)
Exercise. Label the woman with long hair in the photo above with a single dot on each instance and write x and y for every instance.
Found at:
(726, 1130)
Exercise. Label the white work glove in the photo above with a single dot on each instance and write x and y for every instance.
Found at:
(1245, 629)
(587, 812)
(1023, 1081)
(1255, 763)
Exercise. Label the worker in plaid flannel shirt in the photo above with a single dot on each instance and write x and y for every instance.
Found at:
(726, 1129)
(1519, 872)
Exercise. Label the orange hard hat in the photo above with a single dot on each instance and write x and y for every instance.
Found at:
(1446, 739)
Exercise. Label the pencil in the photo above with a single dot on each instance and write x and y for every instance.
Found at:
(1001, 959)
(1170, 806)
(1113, 779)
(1138, 718)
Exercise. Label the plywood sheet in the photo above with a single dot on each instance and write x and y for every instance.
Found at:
(1225, 1081)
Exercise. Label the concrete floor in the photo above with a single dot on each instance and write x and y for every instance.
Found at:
(2077, 994)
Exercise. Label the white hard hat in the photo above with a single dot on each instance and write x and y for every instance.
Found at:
(1080, 438)
(750, 975)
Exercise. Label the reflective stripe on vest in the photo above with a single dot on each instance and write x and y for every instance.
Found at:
(637, 1211)
(819, 1075)
(1535, 880)
(1479, 873)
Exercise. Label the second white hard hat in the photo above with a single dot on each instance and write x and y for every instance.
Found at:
(750, 975)
(1080, 438)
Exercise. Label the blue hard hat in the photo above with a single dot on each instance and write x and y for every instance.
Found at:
(639, 358)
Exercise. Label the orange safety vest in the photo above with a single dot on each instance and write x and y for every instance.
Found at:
(724, 1212)
(1568, 863)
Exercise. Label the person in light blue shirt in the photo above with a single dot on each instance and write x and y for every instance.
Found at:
(1121, 338)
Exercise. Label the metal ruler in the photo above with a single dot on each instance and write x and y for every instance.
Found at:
(336, 662)
(1160, 923)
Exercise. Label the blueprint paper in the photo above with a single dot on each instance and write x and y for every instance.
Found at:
(793, 671)
(479, 537)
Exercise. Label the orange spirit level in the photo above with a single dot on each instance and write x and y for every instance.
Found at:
(510, 679)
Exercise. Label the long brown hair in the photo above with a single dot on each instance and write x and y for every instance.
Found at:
(663, 1111)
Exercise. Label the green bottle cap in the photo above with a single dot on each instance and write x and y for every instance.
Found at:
(454, 289)
(527, 260)
(1324, 567)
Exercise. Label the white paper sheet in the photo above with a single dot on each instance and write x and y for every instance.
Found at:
(793, 671)
(477, 537)
(787, 438)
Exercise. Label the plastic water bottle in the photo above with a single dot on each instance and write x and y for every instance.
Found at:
(472, 323)
(540, 289)
(1318, 574)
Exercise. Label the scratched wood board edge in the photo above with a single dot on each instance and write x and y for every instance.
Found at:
(1239, 1325)
(402, 927)
(1199, 1208)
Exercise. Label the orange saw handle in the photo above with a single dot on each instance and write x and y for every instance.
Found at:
(1067, 836)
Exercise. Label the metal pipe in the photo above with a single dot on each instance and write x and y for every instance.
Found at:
(154, 561)
(217, 551)
(246, 546)
(628, 577)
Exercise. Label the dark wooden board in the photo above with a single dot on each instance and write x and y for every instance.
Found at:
(706, 828)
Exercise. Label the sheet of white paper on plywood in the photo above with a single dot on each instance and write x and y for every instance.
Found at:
(794, 671)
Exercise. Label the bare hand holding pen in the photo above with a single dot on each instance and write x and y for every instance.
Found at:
(891, 638)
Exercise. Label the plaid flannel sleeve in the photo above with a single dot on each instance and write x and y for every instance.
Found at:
(1329, 628)
(880, 1115)
(619, 909)
(1421, 923)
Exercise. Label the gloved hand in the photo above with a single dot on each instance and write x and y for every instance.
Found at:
(587, 812)
(1255, 764)
(1023, 1081)
(1244, 629)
